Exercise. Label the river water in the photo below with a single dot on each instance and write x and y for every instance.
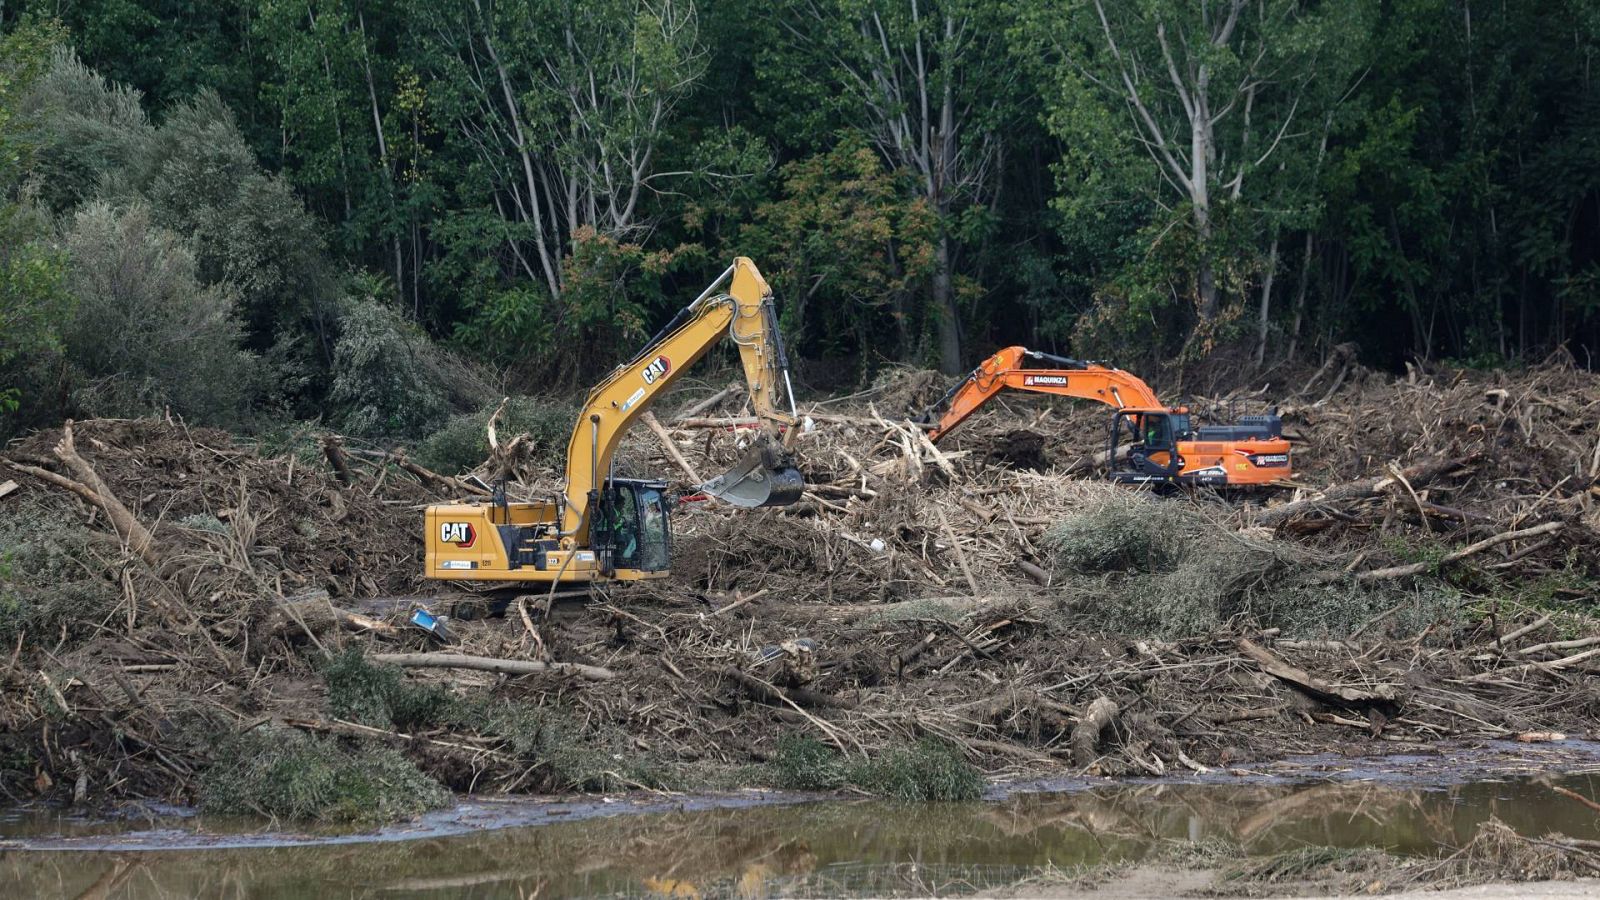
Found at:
(754, 844)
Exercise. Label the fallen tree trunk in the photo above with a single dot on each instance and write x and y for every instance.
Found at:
(722, 422)
(1416, 475)
(1086, 734)
(776, 696)
(670, 446)
(710, 402)
(489, 664)
(1312, 686)
(1419, 568)
(90, 487)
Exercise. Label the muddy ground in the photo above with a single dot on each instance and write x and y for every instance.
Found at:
(188, 616)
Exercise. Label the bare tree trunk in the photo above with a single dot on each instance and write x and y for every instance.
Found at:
(388, 173)
(945, 309)
(1266, 303)
(513, 110)
(1300, 300)
(338, 120)
(1201, 149)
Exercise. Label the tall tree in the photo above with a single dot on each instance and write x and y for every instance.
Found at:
(560, 107)
(1212, 96)
(927, 81)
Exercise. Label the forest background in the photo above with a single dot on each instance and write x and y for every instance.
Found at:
(382, 214)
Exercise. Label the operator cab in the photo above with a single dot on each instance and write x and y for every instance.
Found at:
(629, 526)
(1151, 437)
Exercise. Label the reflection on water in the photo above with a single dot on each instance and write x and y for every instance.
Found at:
(820, 849)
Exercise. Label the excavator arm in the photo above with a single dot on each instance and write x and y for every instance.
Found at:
(745, 314)
(1010, 369)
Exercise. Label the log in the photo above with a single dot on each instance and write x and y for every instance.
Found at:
(1034, 572)
(776, 696)
(1095, 461)
(961, 554)
(1417, 475)
(1524, 631)
(710, 402)
(333, 449)
(1312, 686)
(1419, 568)
(130, 529)
(720, 422)
(317, 613)
(489, 664)
(6, 488)
(1575, 644)
(1086, 734)
(1547, 667)
(671, 446)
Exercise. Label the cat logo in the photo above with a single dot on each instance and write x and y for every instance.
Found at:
(462, 534)
(1051, 380)
(657, 368)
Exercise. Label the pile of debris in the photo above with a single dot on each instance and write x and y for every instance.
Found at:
(1431, 576)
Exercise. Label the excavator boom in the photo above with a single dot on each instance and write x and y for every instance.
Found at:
(1008, 369)
(606, 528)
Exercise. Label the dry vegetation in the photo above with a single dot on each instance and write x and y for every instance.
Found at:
(921, 614)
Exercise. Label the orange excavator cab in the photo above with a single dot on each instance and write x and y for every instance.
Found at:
(1150, 443)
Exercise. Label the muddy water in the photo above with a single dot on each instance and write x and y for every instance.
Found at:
(737, 846)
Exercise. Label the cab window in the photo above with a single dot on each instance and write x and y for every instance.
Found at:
(655, 550)
(1157, 432)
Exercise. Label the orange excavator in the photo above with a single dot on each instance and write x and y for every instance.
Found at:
(1150, 443)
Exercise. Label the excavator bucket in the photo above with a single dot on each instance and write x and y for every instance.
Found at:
(763, 477)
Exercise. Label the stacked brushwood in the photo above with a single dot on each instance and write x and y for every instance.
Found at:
(1430, 574)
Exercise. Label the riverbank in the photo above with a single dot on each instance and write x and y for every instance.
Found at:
(1295, 828)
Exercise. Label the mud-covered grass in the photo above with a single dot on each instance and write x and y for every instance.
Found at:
(290, 775)
(929, 770)
(1166, 568)
(52, 576)
(556, 753)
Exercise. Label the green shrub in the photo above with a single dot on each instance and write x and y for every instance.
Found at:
(381, 696)
(930, 770)
(387, 377)
(204, 522)
(463, 442)
(288, 774)
(145, 333)
(803, 763)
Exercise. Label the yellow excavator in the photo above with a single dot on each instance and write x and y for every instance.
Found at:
(605, 528)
